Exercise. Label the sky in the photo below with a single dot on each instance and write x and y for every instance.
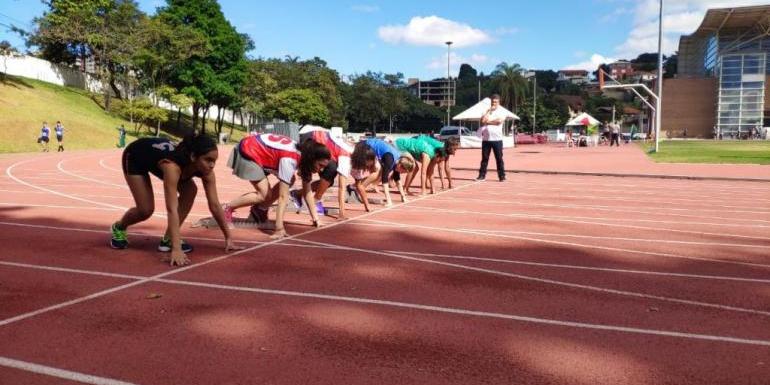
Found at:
(409, 36)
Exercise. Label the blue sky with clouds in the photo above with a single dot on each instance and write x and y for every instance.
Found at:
(408, 36)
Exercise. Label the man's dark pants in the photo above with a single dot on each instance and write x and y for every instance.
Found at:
(497, 147)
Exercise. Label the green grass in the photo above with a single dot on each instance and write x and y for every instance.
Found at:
(26, 103)
(707, 151)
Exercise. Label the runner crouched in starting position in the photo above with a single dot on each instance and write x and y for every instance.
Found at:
(443, 149)
(338, 167)
(256, 156)
(176, 165)
(392, 163)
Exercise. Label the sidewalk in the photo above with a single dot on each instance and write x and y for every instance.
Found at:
(626, 160)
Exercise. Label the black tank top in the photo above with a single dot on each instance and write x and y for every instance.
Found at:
(146, 153)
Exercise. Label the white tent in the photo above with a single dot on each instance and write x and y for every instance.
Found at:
(583, 119)
(479, 109)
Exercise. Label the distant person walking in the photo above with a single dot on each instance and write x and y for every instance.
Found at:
(59, 136)
(615, 133)
(44, 137)
(121, 136)
(491, 132)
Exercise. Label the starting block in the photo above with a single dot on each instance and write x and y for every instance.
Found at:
(238, 223)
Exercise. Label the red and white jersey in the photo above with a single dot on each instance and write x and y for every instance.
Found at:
(339, 149)
(276, 154)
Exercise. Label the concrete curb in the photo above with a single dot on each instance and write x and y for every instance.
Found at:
(621, 175)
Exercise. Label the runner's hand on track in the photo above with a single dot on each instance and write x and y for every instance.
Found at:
(178, 258)
(278, 234)
(230, 246)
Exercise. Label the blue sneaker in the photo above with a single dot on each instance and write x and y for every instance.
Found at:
(319, 208)
(296, 199)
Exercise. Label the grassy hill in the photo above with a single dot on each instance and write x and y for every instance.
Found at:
(26, 103)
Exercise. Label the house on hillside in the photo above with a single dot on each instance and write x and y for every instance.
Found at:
(577, 77)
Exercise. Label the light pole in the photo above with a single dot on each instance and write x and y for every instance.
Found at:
(534, 105)
(658, 111)
(448, 81)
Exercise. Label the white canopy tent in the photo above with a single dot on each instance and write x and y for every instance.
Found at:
(479, 109)
(475, 113)
(583, 119)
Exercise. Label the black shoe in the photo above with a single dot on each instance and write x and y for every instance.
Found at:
(119, 239)
(165, 246)
(479, 179)
(258, 214)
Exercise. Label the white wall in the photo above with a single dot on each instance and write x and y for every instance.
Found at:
(34, 68)
(43, 70)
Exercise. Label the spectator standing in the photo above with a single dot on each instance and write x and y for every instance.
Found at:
(491, 132)
(44, 137)
(615, 133)
(59, 128)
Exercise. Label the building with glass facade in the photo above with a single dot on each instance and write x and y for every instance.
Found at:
(721, 85)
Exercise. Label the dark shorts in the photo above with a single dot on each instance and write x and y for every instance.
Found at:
(59, 138)
(131, 166)
(43, 139)
(329, 173)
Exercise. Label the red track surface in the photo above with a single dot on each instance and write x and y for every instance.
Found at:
(543, 279)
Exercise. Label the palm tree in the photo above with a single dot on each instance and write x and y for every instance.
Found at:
(510, 83)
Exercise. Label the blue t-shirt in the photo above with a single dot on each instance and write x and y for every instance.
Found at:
(381, 147)
(59, 130)
(45, 131)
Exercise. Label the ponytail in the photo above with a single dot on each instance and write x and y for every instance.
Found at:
(362, 154)
(311, 152)
(195, 145)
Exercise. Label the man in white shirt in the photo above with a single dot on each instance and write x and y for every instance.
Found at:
(491, 132)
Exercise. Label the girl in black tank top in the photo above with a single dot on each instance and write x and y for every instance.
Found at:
(175, 165)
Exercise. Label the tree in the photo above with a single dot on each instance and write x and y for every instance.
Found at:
(365, 100)
(6, 49)
(298, 105)
(671, 66)
(217, 76)
(510, 84)
(104, 29)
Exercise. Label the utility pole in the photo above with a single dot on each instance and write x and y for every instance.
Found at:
(534, 105)
(658, 111)
(448, 81)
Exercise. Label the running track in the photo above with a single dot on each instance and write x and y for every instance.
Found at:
(538, 280)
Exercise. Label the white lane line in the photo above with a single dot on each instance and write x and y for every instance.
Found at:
(104, 166)
(60, 166)
(59, 373)
(196, 265)
(552, 281)
(69, 270)
(554, 182)
(137, 234)
(620, 208)
(449, 310)
(571, 244)
(593, 198)
(560, 217)
(588, 268)
(620, 239)
(12, 204)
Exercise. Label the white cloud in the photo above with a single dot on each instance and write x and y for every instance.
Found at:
(592, 64)
(681, 17)
(433, 30)
(615, 15)
(501, 31)
(365, 8)
(439, 63)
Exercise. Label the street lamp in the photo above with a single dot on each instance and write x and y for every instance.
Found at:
(448, 81)
(658, 111)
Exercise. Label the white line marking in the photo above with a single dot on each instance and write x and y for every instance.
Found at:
(563, 243)
(560, 235)
(69, 270)
(58, 206)
(59, 373)
(553, 282)
(101, 163)
(60, 166)
(621, 208)
(192, 266)
(450, 310)
(568, 218)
